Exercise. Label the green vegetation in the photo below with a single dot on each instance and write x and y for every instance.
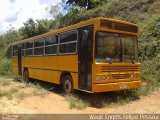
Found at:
(5, 67)
(150, 39)
(150, 75)
(102, 100)
(76, 102)
(8, 93)
(35, 92)
(5, 82)
(19, 90)
(145, 13)
(23, 95)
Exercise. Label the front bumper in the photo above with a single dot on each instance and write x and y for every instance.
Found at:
(115, 86)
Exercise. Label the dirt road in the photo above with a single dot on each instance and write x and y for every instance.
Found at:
(56, 103)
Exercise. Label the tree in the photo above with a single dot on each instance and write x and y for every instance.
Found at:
(42, 26)
(10, 36)
(6, 39)
(88, 4)
(29, 29)
(32, 28)
(54, 10)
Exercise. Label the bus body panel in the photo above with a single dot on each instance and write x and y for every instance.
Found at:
(27, 62)
(67, 63)
(44, 68)
(115, 86)
(120, 75)
(14, 62)
(15, 65)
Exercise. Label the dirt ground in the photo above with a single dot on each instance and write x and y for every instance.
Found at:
(56, 103)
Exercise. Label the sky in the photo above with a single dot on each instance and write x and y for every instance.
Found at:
(16, 12)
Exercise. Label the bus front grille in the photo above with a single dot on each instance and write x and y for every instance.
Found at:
(120, 68)
(120, 76)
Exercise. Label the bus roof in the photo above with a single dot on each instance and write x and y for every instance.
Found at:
(80, 24)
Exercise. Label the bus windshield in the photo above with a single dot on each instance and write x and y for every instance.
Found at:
(114, 48)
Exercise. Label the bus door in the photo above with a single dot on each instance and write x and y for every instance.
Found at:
(19, 60)
(85, 58)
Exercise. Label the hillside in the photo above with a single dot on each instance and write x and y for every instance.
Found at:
(145, 13)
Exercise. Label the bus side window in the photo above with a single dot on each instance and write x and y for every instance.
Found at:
(51, 45)
(68, 42)
(38, 46)
(29, 48)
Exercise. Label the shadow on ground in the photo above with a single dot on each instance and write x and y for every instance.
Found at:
(106, 99)
(98, 100)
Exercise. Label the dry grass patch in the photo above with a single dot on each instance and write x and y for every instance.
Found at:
(10, 88)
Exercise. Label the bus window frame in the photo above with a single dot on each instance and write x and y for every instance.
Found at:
(39, 47)
(76, 41)
(51, 46)
(29, 48)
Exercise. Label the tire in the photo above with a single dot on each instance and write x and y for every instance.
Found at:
(26, 76)
(68, 84)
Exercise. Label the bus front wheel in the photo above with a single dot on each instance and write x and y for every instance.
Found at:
(26, 76)
(68, 84)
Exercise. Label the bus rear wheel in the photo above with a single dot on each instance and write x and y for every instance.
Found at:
(68, 84)
(26, 76)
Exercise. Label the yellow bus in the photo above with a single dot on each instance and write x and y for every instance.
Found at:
(96, 55)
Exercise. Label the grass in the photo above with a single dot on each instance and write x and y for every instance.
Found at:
(41, 93)
(34, 85)
(13, 91)
(101, 100)
(5, 82)
(23, 95)
(36, 91)
(76, 103)
(9, 93)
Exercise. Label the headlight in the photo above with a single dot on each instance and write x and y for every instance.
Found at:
(108, 77)
(132, 76)
(103, 77)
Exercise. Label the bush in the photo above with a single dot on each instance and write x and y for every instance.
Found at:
(150, 40)
(7, 52)
(5, 67)
(150, 76)
(150, 73)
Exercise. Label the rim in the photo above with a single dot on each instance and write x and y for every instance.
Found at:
(67, 86)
